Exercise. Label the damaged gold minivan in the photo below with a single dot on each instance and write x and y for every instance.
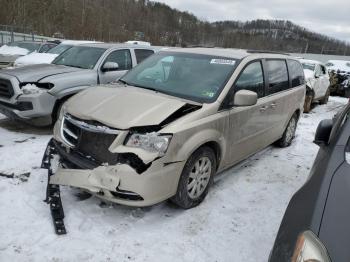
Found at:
(170, 124)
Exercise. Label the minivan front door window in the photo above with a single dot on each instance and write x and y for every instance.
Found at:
(252, 78)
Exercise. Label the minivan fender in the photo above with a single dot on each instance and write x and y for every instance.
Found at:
(68, 91)
(197, 140)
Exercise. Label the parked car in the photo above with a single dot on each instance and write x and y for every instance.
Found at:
(317, 83)
(339, 71)
(35, 93)
(338, 65)
(315, 226)
(9, 53)
(339, 83)
(170, 124)
(47, 58)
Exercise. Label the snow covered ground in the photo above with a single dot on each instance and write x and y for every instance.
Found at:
(238, 220)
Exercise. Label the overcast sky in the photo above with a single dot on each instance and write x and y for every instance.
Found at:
(329, 17)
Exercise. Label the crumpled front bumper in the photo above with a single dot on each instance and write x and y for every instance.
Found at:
(118, 183)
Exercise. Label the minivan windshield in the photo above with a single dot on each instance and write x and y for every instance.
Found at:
(57, 50)
(196, 77)
(84, 57)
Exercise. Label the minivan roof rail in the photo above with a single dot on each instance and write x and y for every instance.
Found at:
(266, 52)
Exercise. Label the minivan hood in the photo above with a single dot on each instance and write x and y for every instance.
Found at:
(123, 107)
(34, 73)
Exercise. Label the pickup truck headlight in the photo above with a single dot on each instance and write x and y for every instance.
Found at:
(152, 142)
(309, 249)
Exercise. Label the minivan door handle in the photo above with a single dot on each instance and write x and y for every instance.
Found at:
(273, 105)
(263, 109)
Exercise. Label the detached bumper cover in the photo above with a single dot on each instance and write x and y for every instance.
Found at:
(119, 183)
(53, 195)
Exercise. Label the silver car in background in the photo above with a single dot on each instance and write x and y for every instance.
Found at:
(35, 93)
(10, 52)
(47, 57)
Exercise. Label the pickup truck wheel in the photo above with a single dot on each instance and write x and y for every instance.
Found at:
(196, 178)
(324, 100)
(289, 132)
(308, 102)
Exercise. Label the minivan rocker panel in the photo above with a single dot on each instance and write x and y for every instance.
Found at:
(94, 135)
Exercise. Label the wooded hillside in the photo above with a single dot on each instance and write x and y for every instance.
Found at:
(121, 20)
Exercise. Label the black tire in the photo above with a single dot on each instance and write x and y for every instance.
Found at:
(289, 132)
(308, 102)
(324, 100)
(182, 197)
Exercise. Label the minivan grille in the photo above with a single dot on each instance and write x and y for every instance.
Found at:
(90, 140)
(6, 89)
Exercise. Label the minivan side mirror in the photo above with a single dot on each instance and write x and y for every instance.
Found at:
(323, 132)
(110, 66)
(245, 98)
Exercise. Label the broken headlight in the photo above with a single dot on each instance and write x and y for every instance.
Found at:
(309, 248)
(152, 142)
(35, 88)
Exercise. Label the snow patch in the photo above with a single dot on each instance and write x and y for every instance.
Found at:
(309, 74)
(30, 89)
(13, 50)
(35, 58)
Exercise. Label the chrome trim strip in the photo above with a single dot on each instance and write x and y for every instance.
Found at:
(62, 134)
(91, 128)
(347, 157)
(70, 133)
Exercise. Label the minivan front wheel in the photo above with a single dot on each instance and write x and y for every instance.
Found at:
(196, 178)
(289, 132)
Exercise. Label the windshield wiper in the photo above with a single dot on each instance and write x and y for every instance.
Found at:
(122, 81)
(76, 66)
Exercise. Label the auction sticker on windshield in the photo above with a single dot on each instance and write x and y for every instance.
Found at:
(223, 61)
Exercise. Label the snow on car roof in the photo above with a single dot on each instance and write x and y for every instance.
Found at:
(308, 61)
(78, 42)
(13, 50)
(341, 65)
(116, 45)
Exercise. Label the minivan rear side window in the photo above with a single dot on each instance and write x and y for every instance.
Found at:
(142, 54)
(277, 76)
(296, 73)
(251, 78)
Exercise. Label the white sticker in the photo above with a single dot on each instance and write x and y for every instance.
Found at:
(223, 61)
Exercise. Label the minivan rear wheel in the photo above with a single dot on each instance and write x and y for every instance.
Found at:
(196, 178)
(289, 132)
